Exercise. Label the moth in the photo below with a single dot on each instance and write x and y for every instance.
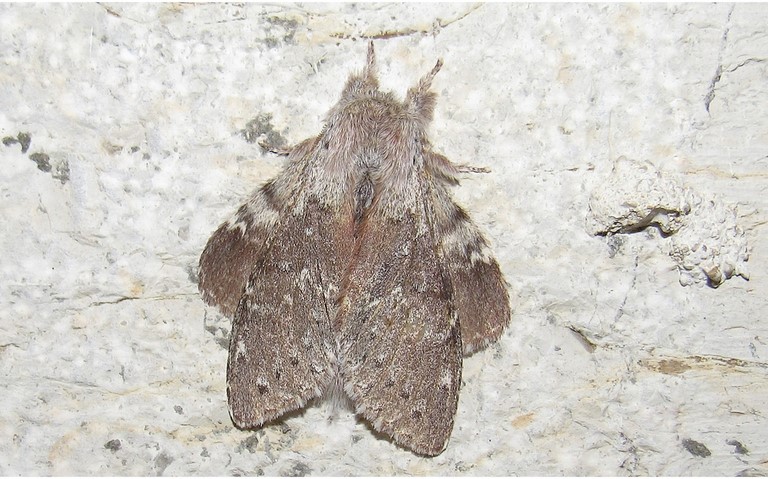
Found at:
(354, 271)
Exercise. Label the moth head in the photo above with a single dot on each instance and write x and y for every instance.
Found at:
(371, 135)
(419, 103)
(365, 113)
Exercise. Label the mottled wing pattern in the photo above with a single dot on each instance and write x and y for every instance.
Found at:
(234, 248)
(479, 290)
(400, 344)
(281, 350)
(232, 251)
(270, 266)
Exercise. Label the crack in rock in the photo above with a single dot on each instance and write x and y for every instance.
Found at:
(719, 70)
(437, 25)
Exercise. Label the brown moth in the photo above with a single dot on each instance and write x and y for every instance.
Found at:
(354, 269)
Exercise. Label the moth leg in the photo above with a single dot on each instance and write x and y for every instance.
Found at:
(277, 150)
(464, 168)
(445, 169)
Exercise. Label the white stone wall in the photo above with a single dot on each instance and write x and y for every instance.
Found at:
(111, 364)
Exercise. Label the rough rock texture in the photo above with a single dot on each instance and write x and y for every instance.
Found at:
(707, 244)
(128, 137)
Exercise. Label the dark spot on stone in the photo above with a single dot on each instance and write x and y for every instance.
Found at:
(281, 29)
(61, 172)
(43, 161)
(263, 388)
(251, 443)
(113, 445)
(696, 448)
(299, 469)
(23, 138)
(739, 448)
(615, 245)
(462, 466)
(178, 409)
(162, 461)
(271, 42)
(261, 126)
(25, 141)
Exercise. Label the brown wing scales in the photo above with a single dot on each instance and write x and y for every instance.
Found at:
(400, 344)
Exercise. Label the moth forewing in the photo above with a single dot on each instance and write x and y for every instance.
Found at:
(400, 342)
(281, 348)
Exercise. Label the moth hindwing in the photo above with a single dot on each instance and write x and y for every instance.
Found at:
(355, 267)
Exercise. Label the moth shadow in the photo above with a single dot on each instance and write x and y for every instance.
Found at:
(279, 423)
(382, 436)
